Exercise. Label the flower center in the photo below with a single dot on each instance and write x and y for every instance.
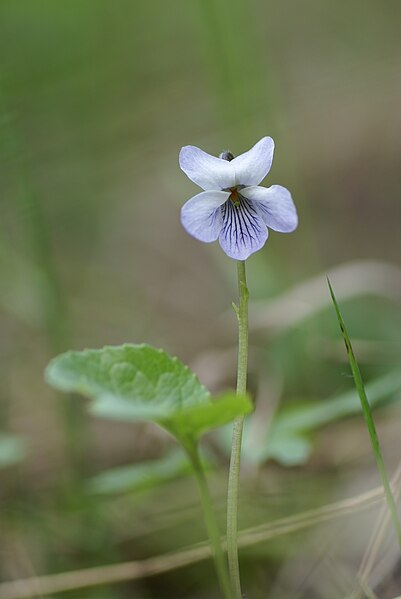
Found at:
(234, 196)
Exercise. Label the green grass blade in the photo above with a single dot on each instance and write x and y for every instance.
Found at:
(367, 413)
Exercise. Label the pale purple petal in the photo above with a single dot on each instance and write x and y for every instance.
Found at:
(205, 170)
(243, 232)
(252, 166)
(275, 206)
(201, 216)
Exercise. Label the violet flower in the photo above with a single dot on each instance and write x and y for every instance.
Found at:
(233, 208)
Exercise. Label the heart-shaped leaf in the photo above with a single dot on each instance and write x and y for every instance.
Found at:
(138, 382)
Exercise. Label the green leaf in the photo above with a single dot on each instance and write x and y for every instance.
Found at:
(134, 383)
(143, 476)
(12, 450)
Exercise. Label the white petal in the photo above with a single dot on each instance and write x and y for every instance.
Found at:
(243, 231)
(201, 215)
(205, 170)
(252, 166)
(275, 205)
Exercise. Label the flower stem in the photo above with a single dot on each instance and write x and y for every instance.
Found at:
(211, 522)
(233, 479)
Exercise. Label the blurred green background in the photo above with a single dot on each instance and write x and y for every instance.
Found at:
(96, 99)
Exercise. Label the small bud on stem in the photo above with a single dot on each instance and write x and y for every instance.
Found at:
(227, 156)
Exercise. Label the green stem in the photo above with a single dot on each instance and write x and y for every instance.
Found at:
(211, 522)
(233, 479)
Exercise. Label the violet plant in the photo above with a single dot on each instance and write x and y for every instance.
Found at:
(236, 211)
(135, 383)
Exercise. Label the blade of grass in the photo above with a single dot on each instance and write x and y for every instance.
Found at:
(367, 413)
